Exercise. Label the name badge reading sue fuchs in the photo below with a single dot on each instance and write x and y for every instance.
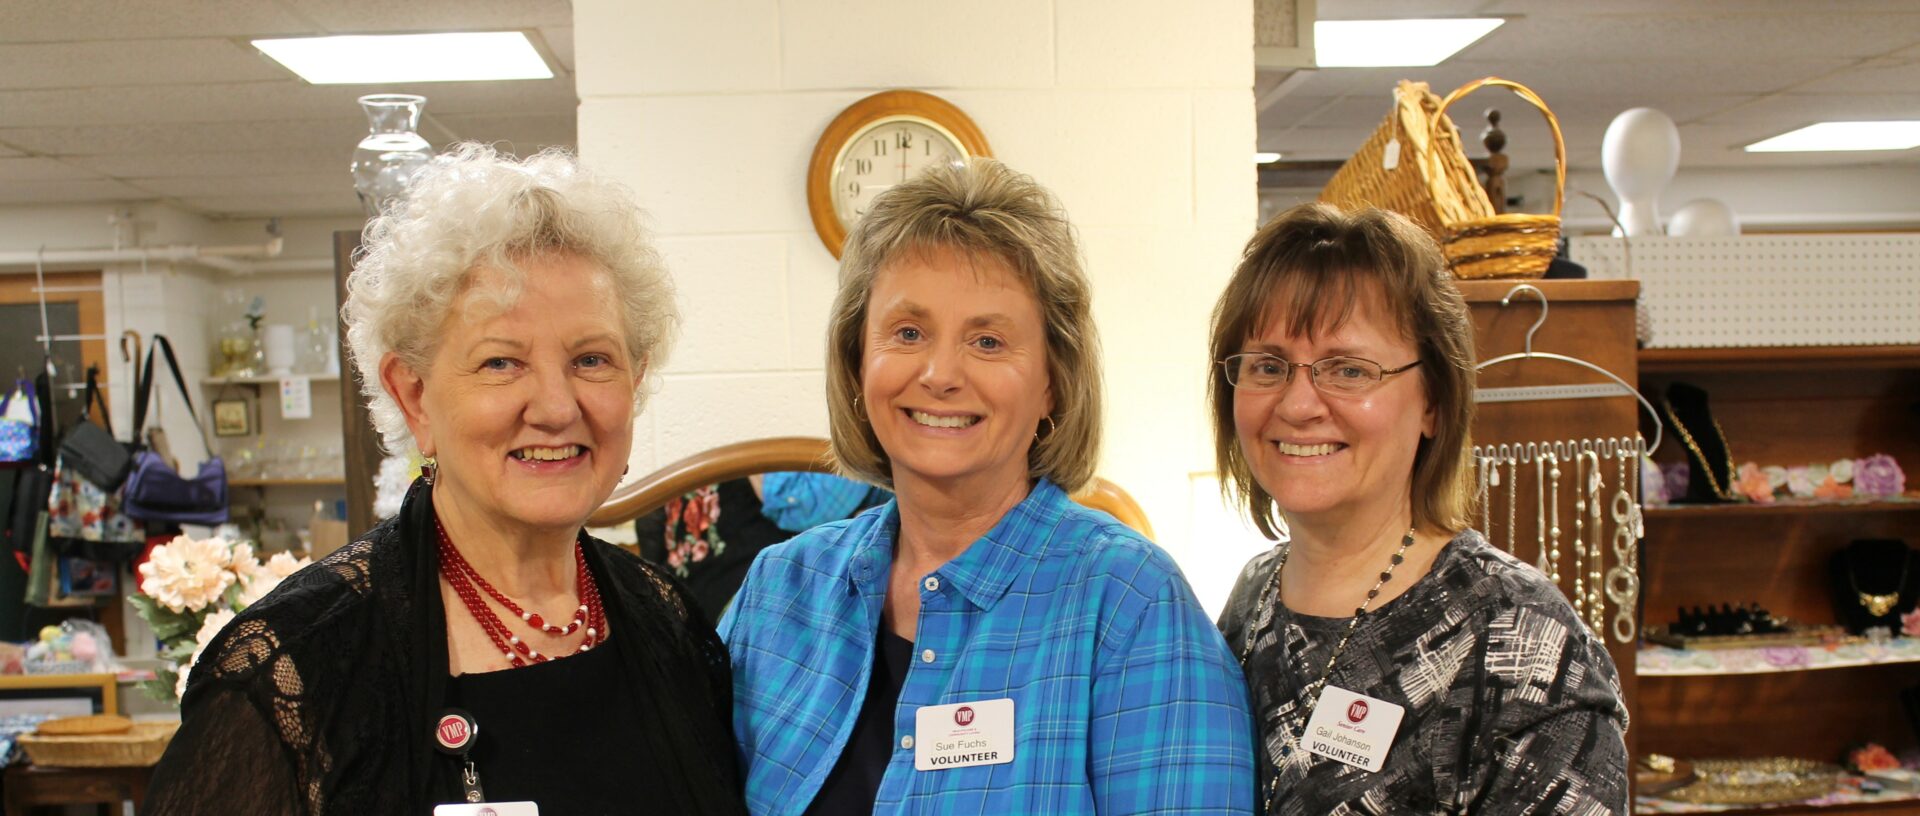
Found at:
(963, 735)
(1353, 728)
(488, 809)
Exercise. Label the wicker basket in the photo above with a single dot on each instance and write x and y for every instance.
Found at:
(139, 747)
(1432, 183)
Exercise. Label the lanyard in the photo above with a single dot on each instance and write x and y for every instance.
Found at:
(454, 734)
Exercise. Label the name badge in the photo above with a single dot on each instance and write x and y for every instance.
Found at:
(1353, 728)
(963, 735)
(488, 809)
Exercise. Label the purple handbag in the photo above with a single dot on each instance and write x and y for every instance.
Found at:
(155, 491)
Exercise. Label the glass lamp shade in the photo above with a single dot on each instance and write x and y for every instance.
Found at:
(393, 151)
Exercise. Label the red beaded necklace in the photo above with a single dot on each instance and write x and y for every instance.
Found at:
(464, 578)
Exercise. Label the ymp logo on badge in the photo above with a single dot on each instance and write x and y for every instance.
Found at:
(1356, 711)
(452, 731)
(963, 716)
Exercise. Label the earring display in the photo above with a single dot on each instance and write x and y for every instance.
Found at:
(1604, 591)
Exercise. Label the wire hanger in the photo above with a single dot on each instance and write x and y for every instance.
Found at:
(1529, 354)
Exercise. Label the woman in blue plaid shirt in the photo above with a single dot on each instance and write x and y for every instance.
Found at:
(982, 644)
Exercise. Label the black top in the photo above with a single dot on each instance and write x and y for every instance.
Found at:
(321, 697)
(1512, 705)
(709, 547)
(563, 734)
(855, 781)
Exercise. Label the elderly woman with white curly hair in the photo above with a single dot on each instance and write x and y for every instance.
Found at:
(479, 647)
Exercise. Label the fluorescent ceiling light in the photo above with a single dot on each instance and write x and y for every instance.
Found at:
(1843, 136)
(1265, 158)
(385, 58)
(1394, 43)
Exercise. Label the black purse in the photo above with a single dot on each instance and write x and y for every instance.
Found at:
(90, 449)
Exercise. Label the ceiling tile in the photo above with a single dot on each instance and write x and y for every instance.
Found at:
(38, 169)
(92, 64)
(1816, 34)
(519, 135)
(291, 185)
(333, 158)
(1788, 111)
(190, 137)
(255, 101)
(437, 15)
(70, 20)
(56, 192)
(559, 40)
(271, 206)
(1888, 75)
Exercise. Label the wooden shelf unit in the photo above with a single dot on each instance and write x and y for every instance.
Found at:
(1779, 406)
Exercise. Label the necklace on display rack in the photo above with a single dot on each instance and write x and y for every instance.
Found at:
(1879, 605)
(464, 579)
(1269, 603)
(1686, 437)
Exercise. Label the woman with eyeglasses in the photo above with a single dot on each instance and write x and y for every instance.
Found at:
(1397, 662)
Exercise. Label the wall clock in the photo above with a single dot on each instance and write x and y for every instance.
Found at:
(876, 143)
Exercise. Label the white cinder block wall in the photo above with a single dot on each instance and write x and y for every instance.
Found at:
(1138, 114)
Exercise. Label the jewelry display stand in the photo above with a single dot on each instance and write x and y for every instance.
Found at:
(1536, 416)
(1875, 581)
(1710, 464)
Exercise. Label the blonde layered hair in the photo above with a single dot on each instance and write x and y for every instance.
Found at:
(979, 210)
(1312, 266)
(474, 208)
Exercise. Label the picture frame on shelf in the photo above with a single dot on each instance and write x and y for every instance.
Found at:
(232, 417)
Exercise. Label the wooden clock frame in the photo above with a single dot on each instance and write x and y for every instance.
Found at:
(857, 118)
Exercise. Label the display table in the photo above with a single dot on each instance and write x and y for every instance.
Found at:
(29, 786)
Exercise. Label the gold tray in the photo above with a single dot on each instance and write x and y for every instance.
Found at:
(1769, 781)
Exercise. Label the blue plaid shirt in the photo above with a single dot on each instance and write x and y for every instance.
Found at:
(1126, 700)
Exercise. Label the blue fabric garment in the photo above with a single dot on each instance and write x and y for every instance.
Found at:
(799, 502)
(1126, 700)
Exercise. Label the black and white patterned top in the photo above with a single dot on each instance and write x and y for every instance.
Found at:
(1512, 705)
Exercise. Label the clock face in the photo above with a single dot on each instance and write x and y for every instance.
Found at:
(884, 154)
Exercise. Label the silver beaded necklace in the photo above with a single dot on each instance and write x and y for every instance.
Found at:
(1269, 599)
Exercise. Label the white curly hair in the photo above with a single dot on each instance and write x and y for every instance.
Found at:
(474, 207)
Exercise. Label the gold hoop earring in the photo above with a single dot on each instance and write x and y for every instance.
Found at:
(429, 469)
(1051, 428)
(856, 407)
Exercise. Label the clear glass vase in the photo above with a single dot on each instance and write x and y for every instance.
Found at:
(387, 159)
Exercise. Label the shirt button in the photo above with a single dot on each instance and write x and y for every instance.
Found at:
(906, 741)
(926, 656)
(932, 584)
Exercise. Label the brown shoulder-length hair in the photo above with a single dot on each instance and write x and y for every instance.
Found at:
(1312, 266)
(981, 209)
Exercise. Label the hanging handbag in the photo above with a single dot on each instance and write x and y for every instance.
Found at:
(19, 424)
(89, 449)
(84, 521)
(157, 492)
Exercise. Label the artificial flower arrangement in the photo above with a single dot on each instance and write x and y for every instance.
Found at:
(1870, 477)
(191, 588)
(1876, 476)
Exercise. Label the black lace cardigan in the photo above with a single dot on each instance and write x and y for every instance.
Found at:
(321, 697)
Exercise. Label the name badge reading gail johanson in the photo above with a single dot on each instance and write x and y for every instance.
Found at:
(488, 809)
(963, 735)
(1352, 728)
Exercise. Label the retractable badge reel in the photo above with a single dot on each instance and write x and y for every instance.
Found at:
(454, 734)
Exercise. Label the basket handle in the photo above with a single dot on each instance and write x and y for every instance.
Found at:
(1553, 124)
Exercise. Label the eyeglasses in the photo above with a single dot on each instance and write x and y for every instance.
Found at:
(1254, 372)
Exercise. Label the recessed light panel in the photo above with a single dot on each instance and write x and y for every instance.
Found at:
(1394, 43)
(1833, 136)
(389, 58)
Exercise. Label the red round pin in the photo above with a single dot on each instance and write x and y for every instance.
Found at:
(455, 732)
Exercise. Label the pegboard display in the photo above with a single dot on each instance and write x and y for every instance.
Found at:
(1769, 290)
